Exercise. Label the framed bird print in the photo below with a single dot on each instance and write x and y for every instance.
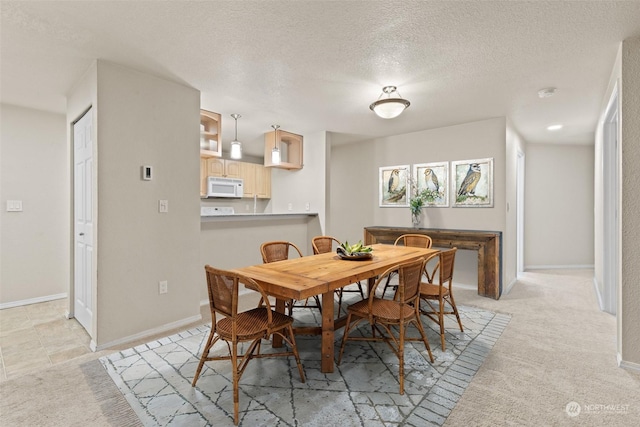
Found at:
(394, 186)
(432, 183)
(472, 183)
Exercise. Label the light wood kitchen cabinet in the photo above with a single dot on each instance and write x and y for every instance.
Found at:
(290, 145)
(223, 168)
(257, 178)
(210, 139)
(263, 182)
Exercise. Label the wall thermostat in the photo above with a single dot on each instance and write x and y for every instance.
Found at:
(147, 173)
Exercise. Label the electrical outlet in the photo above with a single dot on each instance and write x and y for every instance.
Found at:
(14, 205)
(290, 207)
(307, 206)
(163, 287)
(163, 206)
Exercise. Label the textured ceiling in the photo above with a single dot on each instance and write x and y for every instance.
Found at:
(317, 65)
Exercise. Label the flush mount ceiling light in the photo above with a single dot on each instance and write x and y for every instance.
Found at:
(236, 146)
(554, 127)
(275, 153)
(389, 107)
(547, 92)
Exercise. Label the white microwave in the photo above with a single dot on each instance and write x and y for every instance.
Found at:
(224, 187)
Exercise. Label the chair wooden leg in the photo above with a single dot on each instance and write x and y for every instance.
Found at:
(290, 307)
(236, 380)
(424, 336)
(205, 353)
(441, 321)
(386, 285)
(361, 290)
(294, 348)
(401, 357)
(455, 311)
(339, 292)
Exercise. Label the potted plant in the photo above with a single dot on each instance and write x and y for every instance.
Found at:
(416, 203)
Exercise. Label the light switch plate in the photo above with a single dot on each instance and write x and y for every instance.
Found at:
(163, 206)
(163, 287)
(14, 205)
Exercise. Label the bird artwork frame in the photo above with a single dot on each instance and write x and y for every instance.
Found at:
(472, 183)
(432, 183)
(393, 186)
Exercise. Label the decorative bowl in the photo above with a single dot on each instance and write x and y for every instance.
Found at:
(355, 256)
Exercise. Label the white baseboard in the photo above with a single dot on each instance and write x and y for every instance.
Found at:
(509, 287)
(147, 333)
(559, 267)
(32, 301)
(457, 285)
(596, 289)
(628, 365)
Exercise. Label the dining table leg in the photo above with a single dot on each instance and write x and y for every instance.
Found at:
(277, 339)
(327, 332)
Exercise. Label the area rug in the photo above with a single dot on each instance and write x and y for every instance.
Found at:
(155, 378)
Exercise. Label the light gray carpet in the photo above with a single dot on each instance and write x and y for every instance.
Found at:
(68, 394)
(559, 348)
(362, 391)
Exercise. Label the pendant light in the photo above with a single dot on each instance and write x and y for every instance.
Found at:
(236, 146)
(389, 107)
(275, 153)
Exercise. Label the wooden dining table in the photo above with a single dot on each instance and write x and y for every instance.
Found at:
(322, 274)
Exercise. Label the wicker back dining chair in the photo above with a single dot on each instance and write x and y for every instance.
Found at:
(389, 314)
(279, 250)
(249, 326)
(436, 295)
(414, 241)
(326, 244)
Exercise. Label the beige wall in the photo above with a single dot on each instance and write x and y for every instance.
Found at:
(234, 243)
(559, 206)
(307, 185)
(354, 183)
(143, 120)
(629, 314)
(33, 168)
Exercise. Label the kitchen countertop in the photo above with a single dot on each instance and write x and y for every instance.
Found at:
(257, 216)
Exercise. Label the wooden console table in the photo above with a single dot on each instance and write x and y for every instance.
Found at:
(487, 243)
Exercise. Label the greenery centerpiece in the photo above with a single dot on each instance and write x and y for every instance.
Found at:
(355, 251)
(418, 200)
(415, 206)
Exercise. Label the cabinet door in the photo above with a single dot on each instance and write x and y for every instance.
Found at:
(248, 174)
(232, 169)
(215, 167)
(263, 182)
